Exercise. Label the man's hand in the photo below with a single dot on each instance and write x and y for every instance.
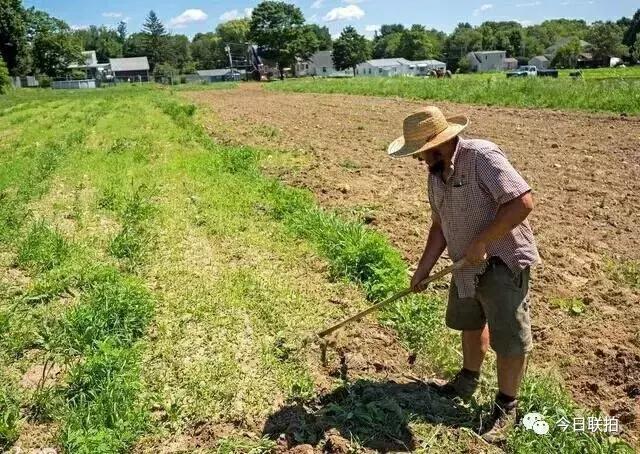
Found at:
(476, 253)
(420, 275)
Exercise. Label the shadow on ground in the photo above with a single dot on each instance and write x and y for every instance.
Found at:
(376, 414)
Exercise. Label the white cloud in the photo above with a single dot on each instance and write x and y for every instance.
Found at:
(351, 12)
(112, 15)
(187, 17)
(317, 4)
(483, 8)
(372, 28)
(353, 2)
(525, 22)
(528, 4)
(235, 14)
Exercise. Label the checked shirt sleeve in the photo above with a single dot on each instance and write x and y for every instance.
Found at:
(498, 177)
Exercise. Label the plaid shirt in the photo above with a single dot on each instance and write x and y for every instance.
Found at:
(467, 203)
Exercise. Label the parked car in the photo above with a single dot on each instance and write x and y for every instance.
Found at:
(532, 71)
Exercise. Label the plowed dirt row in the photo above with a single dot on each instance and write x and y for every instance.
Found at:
(585, 171)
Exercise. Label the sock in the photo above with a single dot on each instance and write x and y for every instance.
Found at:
(504, 400)
(470, 374)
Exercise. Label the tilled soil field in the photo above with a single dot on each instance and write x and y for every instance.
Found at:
(585, 171)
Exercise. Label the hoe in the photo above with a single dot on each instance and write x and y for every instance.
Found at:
(320, 337)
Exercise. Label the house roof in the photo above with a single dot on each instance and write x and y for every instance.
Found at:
(427, 63)
(540, 57)
(489, 52)
(511, 60)
(129, 64)
(217, 72)
(388, 62)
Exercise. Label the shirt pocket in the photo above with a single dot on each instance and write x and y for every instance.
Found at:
(460, 198)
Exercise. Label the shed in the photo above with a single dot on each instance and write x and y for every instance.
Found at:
(510, 63)
(132, 69)
(220, 75)
(485, 61)
(540, 62)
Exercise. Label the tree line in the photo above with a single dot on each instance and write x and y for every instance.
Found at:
(34, 42)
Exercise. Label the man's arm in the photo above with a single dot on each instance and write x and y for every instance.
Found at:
(436, 244)
(509, 216)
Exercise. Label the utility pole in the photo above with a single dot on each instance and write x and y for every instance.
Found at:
(227, 48)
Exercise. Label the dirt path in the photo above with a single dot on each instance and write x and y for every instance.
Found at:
(585, 170)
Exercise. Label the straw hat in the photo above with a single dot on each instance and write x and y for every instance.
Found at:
(424, 130)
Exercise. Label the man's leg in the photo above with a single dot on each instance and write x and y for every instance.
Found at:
(503, 295)
(466, 315)
(474, 348)
(510, 372)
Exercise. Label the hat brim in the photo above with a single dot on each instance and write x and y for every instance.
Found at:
(400, 149)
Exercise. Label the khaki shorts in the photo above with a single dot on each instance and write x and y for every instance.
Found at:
(501, 301)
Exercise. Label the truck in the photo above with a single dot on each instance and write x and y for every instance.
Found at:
(532, 71)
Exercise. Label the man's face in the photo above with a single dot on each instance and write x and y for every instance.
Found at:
(434, 159)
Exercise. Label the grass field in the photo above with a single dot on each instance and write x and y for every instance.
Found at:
(153, 283)
(614, 94)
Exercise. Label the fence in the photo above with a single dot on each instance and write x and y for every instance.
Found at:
(73, 84)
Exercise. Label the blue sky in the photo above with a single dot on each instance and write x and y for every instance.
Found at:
(193, 16)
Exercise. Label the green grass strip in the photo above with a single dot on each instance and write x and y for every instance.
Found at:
(611, 95)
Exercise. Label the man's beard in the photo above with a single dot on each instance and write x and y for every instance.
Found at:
(437, 167)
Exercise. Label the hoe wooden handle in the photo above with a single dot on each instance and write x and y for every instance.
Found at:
(394, 298)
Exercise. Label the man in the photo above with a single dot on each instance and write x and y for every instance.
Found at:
(479, 205)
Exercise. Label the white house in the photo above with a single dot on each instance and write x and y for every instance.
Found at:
(320, 64)
(384, 67)
(485, 61)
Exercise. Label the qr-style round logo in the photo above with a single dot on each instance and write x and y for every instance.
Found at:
(536, 422)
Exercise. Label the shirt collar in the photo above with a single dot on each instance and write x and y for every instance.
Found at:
(454, 159)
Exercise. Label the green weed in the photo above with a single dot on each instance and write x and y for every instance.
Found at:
(42, 249)
(105, 414)
(573, 306)
(544, 394)
(117, 309)
(9, 414)
(626, 272)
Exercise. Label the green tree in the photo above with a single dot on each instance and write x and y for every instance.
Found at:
(567, 55)
(135, 45)
(350, 49)
(233, 31)
(103, 40)
(388, 45)
(417, 43)
(463, 40)
(179, 52)
(206, 51)
(156, 40)
(325, 42)
(122, 32)
(630, 38)
(606, 39)
(12, 33)
(278, 29)
(53, 45)
(464, 65)
(5, 81)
